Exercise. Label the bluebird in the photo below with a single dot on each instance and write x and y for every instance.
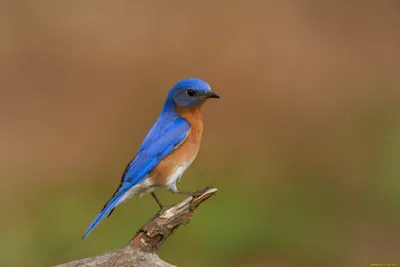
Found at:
(169, 148)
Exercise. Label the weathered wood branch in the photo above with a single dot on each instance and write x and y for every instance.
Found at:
(141, 250)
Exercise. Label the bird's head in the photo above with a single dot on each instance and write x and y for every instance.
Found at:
(190, 92)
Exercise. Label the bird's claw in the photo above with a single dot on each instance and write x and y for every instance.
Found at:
(200, 192)
(197, 194)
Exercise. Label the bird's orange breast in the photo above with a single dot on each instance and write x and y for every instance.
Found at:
(185, 153)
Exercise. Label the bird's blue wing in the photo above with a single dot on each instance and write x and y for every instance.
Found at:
(165, 136)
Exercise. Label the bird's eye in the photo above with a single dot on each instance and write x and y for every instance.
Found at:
(191, 92)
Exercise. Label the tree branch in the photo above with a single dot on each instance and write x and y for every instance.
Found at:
(141, 250)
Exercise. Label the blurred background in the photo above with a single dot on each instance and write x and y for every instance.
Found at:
(304, 145)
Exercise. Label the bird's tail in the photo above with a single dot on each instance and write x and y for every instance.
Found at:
(106, 209)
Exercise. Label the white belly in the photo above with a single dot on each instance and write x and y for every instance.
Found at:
(147, 187)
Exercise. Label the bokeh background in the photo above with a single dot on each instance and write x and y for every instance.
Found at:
(304, 145)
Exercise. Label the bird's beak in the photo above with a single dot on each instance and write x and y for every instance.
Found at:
(212, 95)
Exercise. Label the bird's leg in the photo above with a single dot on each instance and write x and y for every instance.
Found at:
(189, 193)
(157, 200)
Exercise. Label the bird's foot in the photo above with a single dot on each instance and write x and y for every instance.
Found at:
(196, 194)
(159, 203)
(190, 193)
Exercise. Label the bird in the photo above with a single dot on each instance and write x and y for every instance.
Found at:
(168, 149)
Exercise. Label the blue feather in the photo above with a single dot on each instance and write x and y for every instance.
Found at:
(107, 208)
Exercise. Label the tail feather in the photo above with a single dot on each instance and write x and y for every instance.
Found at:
(106, 209)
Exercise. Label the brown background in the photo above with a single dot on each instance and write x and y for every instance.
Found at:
(303, 145)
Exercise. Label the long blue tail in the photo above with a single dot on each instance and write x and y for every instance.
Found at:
(107, 209)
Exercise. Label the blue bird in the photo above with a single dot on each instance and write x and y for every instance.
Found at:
(169, 148)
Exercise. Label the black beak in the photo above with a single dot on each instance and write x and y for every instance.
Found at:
(213, 95)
